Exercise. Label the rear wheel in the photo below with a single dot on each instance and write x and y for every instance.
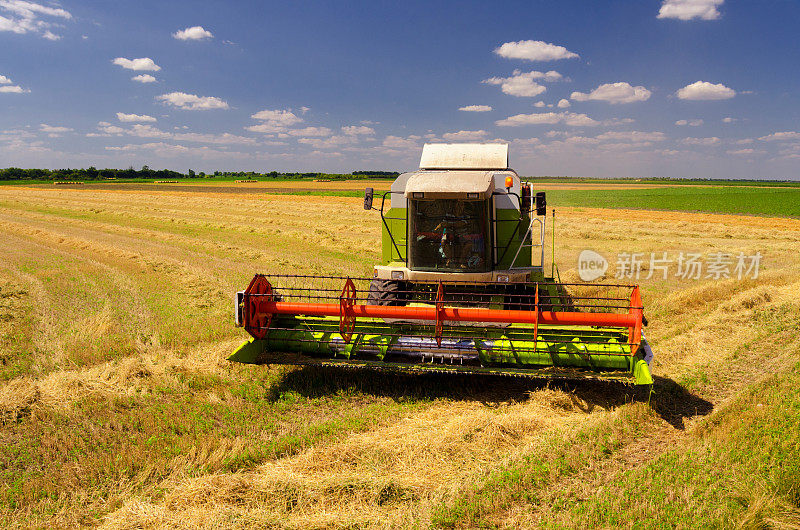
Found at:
(387, 292)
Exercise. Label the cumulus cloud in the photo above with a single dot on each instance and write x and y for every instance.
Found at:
(614, 93)
(165, 150)
(25, 16)
(781, 136)
(476, 108)
(134, 118)
(547, 118)
(534, 50)
(539, 104)
(12, 89)
(703, 90)
(146, 130)
(331, 142)
(523, 84)
(142, 64)
(701, 141)
(186, 101)
(690, 9)
(633, 136)
(193, 33)
(275, 121)
(353, 130)
(465, 136)
(282, 117)
(310, 131)
(691, 123)
(54, 131)
(742, 152)
(728, 119)
(563, 104)
(7, 88)
(143, 78)
(397, 142)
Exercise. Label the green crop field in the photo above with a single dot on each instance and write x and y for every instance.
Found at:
(769, 201)
(119, 409)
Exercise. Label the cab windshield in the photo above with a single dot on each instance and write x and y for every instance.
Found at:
(449, 235)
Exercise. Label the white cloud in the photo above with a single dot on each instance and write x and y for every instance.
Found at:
(192, 102)
(465, 136)
(146, 130)
(24, 17)
(689, 9)
(267, 128)
(618, 121)
(12, 89)
(4, 80)
(703, 90)
(134, 118)
(743, 152)
(193, 33)
(327, 143)
(614, 93)
(691, 123)
(396, 142)
(54, 131)
(534, 50)
(563, 104)
(165, 150)
(728, 119)
(539, 104)
(284, 118)
(143, 63)
(701, 141)
(781, 136)
(30, 10)
(548, 118)
(633, 136)
(310, 131)
(476, 108)
(143, 78)
(353, 130)
(522, 84)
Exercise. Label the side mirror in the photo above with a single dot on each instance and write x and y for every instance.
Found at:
(368, 199)
(541, 203)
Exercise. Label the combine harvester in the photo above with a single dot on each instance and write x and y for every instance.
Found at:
(461, 288)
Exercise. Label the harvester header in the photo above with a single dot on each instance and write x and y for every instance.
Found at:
(461, 288)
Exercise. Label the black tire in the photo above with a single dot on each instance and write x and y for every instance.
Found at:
(387, 292)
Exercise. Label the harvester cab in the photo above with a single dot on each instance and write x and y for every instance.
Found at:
(461, 287)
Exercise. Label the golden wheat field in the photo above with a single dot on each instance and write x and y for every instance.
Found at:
(120, 410)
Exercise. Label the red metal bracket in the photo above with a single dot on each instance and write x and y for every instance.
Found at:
(636, 310)
(257, 321)
(347, 318)
(439, 311)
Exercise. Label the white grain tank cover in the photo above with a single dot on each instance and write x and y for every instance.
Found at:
(450, 185)
(464, 156)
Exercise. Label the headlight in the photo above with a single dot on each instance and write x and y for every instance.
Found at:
(397, 275)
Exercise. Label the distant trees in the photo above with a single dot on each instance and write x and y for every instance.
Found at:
(376, 173)
(92, 173)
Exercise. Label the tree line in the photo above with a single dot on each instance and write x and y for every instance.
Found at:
(92, 173)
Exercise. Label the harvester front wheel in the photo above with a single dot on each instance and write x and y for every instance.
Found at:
(387, 292)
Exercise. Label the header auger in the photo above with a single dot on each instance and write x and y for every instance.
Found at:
(461, 288)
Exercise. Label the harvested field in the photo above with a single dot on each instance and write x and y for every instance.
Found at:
(119, 409)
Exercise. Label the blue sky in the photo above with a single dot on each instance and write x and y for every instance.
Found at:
(700, 88)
